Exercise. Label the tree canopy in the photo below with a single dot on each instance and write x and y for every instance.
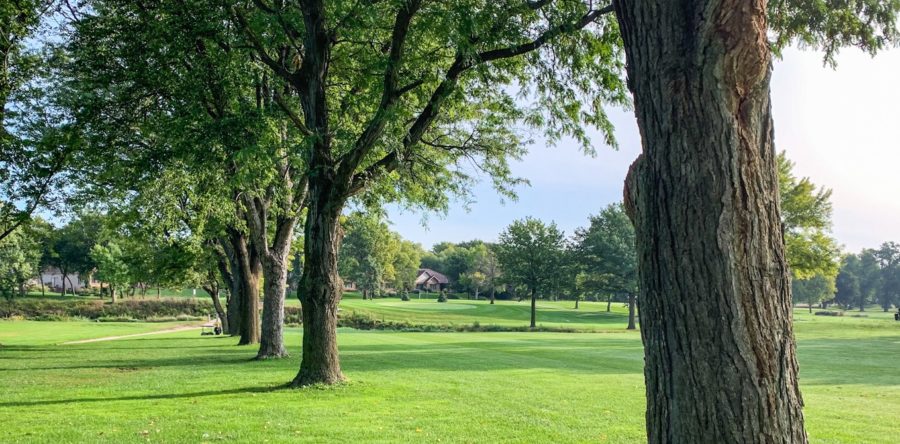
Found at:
(806, 218)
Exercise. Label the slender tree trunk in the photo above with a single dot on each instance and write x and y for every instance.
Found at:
(231, 274)
(41, 278)
(576, 303)
(217, 305)
(608, 302)
(320, 289)
(236, 303)
(533, 307)
(158, 296)
(720, 362)
(112, 293)
(631, 307)
(492, 294)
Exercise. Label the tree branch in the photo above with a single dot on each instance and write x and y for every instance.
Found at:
(390, 94)
(431, 110)
(241, 21)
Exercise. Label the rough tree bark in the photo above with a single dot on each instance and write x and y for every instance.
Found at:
(320, 288)
(274, 260)
(249, 267)
(720, 363)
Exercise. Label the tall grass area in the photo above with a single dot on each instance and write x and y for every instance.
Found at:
(404, 387)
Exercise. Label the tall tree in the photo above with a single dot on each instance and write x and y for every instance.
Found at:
(112, 266)
(806, 220)
(869, 274)
(385, 102)
(704, 199)
(530, 252)
(847, 283)
(214, 115)
(888, 293)
(367, 253)
(606, 252)
(73, 243)
(405, 264)
(391, 121)
(813, 290)
(20, 256)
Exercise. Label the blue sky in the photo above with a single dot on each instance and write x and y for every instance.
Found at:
(841, 127)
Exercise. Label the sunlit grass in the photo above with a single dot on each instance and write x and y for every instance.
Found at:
(404, 387)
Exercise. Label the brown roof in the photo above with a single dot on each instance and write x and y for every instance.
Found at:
(426, 274)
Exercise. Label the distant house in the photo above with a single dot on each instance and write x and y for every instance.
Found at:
(430, 280)
(52, 277)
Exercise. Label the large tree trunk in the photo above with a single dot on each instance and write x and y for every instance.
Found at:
(272, 342)
(112, 293)
(320, 290)
(533, 307)
(715, 318)
(631, 306)
(250, 269)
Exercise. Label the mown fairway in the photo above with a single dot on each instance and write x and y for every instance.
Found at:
(405, 387)
(591, 316)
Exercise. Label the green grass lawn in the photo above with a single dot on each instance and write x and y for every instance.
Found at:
(404, 387)
(590, 316)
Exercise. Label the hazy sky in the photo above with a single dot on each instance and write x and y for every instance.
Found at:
(841, 127)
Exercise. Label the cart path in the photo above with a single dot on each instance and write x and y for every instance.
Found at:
(158, 332)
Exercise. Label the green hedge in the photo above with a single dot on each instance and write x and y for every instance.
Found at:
(146, 310)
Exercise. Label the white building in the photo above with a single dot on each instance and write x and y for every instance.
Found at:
(52, 277)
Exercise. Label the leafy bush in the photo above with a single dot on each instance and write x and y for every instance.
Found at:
(293, 316)
(442, 298)
(829, 313)
(362, 321)
(405, 297)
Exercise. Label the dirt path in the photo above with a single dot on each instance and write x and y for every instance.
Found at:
(113, 338)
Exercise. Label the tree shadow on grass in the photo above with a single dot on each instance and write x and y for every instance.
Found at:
(235, 391)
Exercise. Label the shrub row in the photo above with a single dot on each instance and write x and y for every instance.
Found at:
(829, 313)
(128, 310)
(166, 310)
(361, 321)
